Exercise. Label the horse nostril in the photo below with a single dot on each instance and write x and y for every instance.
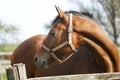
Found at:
(44, 63)
(35, 58)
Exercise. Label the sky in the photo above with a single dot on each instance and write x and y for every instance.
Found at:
(30, 16)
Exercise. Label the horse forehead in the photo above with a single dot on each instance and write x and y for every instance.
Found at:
(59, 26)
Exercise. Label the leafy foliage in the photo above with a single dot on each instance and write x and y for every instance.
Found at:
(8, 37)
(112, 10)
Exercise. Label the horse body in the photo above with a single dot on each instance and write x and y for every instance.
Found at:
(25, 52)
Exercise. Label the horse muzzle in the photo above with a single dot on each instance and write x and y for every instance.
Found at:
(40, 62)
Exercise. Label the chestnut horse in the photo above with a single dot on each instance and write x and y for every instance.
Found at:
(25, 52)
(71, 31)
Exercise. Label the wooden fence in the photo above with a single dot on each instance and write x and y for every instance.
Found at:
(5, 55)
(18, 72)
(4, 62)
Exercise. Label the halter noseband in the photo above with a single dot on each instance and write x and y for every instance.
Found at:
(51, 51)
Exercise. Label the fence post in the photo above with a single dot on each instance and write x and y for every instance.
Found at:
(12, 73)
(17, 72)
(21, 71)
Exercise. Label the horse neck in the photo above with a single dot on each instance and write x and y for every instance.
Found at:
(93, 32)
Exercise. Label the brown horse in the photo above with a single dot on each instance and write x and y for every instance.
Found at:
(71, 31)
(25, 52)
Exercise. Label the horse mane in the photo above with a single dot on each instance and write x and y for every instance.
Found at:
(82, 13)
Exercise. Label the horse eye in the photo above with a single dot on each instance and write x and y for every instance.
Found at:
(53, 33)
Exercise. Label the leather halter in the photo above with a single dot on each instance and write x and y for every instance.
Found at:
(69, 42)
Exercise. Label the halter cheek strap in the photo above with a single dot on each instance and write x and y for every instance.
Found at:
(69, 42)
(70, 30)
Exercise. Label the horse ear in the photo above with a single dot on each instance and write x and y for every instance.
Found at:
(61, 13)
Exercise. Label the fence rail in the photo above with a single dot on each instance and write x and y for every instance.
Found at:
(5, 55)
(18, 72)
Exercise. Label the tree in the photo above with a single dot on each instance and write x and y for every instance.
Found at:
(7, 35)
(112, 10)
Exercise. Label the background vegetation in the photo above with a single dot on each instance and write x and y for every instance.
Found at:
(8, 37)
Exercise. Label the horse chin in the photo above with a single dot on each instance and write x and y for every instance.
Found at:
(45, 65)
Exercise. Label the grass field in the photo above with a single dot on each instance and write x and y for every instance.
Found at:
(4, 76)
(4, 64)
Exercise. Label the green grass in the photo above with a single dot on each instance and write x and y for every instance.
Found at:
(4, 76)
(7, 47)
(3, 70)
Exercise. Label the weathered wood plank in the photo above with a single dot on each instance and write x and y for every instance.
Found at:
(18, 72)
(12, 73)
(97, 76)
(21, 71)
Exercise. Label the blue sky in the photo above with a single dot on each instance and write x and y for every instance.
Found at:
(31, 15)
